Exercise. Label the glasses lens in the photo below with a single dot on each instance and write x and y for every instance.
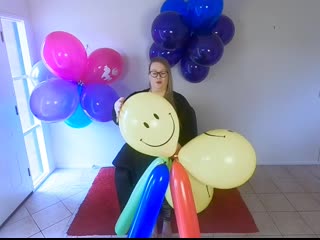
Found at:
(154, 74)
(163, 74)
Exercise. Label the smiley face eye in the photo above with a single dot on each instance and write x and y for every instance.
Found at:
(146, 125)
(156, 116)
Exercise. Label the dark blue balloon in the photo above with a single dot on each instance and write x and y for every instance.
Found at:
(225, 29)
(193, 72)
(204, 13)
(97, 101)
(179, 6)
(170, 31)
(172, 56)
(205, 50)
(151, 203)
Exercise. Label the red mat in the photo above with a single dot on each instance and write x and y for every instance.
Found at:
(99, 212)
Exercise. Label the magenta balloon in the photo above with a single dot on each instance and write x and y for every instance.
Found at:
(54, 100)
(105, 65)
(64, 55)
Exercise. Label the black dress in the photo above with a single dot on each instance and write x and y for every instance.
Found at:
(131, 164)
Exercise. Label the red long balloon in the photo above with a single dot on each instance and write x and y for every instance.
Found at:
(183, 202)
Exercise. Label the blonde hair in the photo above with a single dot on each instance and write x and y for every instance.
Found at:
(169, 92)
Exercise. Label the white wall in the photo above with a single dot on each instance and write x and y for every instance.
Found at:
(266, 86)
(14, 7)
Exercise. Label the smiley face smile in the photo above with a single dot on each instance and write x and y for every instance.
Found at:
(159, 145)
(213, 135)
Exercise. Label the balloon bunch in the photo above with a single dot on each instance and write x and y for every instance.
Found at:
(215, 159)
(71, 86)
(193, 32)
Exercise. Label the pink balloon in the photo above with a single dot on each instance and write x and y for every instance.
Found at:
(64, 55)
(105, 66)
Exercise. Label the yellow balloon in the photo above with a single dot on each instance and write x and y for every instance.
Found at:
(150, 124)
(202, 194)
(219, 158)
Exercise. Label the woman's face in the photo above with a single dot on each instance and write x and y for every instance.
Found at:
(158, 77)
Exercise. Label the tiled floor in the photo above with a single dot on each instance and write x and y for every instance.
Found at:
(284, 202)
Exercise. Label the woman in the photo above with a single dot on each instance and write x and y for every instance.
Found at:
(131, 164)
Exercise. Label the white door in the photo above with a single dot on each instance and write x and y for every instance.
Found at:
(15, 180)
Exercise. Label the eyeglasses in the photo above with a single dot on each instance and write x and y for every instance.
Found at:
(155, 74)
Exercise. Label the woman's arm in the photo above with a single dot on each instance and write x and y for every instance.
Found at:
(188, 120)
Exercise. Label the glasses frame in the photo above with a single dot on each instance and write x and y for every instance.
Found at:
(156, 74)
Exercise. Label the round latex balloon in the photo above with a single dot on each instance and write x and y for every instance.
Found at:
(149, 124)
(202, 194)
(205, 50)
(219, 158)
(79, 119)
(40, 73)
(97, 101)
(170, 31)
(54, 100)
(64, 55)
(172, 56)
(225, 29)
(193, 72)
(104, 65)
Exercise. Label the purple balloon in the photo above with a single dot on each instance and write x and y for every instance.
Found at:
(225, 29)
(169, 30)
(193, 72)
(97, 101)
(54, 100)
(172, 56)
(205, 50)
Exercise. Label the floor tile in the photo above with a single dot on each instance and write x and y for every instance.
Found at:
(253, 203)
(265, 225)
(303, 201)
(275, 202)
(264, 186)
(51, 215)
(290, 223)
(288, 185)
(313, 220)
(57, 230)
(20, 213)
(23, 228)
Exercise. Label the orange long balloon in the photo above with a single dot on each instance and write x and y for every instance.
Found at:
(183, 202)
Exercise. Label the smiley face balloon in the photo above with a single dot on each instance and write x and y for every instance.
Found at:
(219, 158)
(150, 124)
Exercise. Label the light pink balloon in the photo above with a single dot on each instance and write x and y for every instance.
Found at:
(64, 55)
(105, 66)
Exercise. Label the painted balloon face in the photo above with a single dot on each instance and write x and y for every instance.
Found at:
(219, 158)
(149, 124)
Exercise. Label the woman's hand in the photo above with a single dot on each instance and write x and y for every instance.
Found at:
(117, 106)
